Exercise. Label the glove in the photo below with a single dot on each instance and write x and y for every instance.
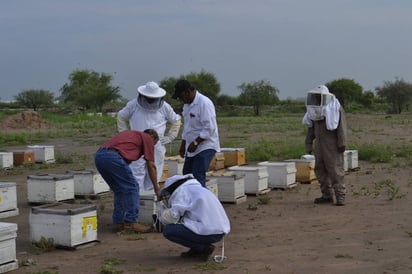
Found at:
(167, 217)
(165, 140)
(121, 123)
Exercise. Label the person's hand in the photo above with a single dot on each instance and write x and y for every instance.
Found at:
(308, 149)
(182, 152)
(165, 140)
(192, 147)
(341, 149)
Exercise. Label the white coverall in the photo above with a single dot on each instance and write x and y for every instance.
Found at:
(140, 119)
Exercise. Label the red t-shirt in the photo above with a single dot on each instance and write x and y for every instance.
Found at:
(132, 145)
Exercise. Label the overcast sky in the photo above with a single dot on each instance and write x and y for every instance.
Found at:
(293, 44)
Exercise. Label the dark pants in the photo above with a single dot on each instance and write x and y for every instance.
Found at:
(118, 175)
(199, 164)
(179, 234)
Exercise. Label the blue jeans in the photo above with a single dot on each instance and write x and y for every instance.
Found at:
(199, 164)
(118, 175)
(178, 233)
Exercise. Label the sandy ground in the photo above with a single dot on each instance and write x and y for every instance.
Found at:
(372, 233)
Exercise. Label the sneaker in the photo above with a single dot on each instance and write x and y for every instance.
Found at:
(205, 254)
(322, 200)
(136, 227)
(189, 254)
(117, 227)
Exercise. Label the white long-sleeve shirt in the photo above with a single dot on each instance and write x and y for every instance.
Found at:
(199, 208)
(200, 121)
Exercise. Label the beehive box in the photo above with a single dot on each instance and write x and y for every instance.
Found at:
(230, 187)
(147, 207)
(43, 154)
(50, 188)
(165, 173)
(218, 161)
(256, 178)
(8, 200)
(88, 182)
(305, 170)
(351, 159)
(211, 184)
(281, 174)
(22, 157)
(6, 159)
(8, 235)
(234, 156)
(175, 164)
(69, 225)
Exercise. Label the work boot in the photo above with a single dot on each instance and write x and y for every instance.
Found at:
(205, 254)
(117, 227)
(340, 201)
(136, 227)
(322, 200)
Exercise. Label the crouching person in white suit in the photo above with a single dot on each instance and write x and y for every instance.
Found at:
(192, 216)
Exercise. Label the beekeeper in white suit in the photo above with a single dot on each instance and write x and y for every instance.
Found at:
(326, 123)
(149, 110)
(192, 216)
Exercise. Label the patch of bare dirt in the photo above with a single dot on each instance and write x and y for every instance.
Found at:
(371, 234)
(26, 120)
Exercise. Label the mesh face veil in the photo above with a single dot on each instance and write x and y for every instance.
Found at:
(316, 101)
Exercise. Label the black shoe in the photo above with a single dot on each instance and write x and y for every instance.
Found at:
(322, 200)
(190, 254)
(205, 254)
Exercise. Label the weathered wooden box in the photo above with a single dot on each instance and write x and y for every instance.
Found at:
(22, 157)
(175, 164)
(50, 188)
(43, 154)
(165, 173)
(68, 225)
(305, 170)
(231, 187)
(256, 178)
(88, 182)
(8, 235)
(6, 159)
(234, 156)
(218, 161)
(8, 200)
(281, 174)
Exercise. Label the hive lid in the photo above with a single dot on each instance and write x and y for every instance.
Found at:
(63, 208)
(48, 177)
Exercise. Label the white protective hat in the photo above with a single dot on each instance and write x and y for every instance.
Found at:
(151, 90)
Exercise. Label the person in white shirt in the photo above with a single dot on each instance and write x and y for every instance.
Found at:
(149, 110)
(192, 216)
(200, 136)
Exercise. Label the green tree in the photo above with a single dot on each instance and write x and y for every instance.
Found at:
(89, 90)
(205, 82)
(35, 98)
(225, 100)
(257, 94)
(346, 90)
(398, 94)
(368, 98)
